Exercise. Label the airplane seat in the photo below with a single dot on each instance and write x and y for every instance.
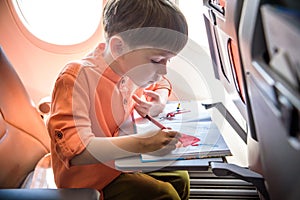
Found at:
(273, 82)
(24, 146)
(23, 136)
(268, 35)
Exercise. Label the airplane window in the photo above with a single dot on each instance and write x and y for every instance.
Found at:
(60, 22)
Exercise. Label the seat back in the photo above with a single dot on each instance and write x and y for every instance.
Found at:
(223, 23)
(270, 51)
(265, 35)
(23, 135)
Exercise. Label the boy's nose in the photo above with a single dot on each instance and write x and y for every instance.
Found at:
(162, 70)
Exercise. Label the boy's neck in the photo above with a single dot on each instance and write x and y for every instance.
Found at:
(111, 62)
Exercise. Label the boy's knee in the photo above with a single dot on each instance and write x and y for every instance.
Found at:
(183, 177)
(180, 181)
(168, 192)
(161, 190)
(182, 184)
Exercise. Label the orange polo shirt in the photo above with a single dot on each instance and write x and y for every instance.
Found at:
(89, 100)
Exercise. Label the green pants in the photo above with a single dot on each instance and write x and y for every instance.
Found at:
(153, 186)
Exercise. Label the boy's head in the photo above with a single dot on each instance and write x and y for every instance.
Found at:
(146, 23)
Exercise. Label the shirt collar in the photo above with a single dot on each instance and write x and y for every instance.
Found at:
(97, 56)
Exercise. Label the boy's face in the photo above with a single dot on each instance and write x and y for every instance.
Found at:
(145, 66)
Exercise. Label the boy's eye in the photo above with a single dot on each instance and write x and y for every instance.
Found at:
(160, 61)
(155, 62)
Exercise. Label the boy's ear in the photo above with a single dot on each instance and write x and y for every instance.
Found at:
(117, 46)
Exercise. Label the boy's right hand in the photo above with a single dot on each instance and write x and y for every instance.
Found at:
(159, 142)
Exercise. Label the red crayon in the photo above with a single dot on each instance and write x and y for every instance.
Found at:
(154, 121)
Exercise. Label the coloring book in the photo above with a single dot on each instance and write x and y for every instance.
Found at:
(200, 137)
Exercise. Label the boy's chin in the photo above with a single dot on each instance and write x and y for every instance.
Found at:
(145, 85)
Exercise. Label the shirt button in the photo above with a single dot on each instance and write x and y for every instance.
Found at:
(59, 134)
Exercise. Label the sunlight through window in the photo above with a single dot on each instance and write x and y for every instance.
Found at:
(61, 22)
(192, 9)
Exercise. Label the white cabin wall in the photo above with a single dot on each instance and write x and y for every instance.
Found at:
(191, 72)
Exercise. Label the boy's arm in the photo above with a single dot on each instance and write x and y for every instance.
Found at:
(104, 149)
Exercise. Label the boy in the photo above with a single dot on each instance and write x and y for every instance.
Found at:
(94, 96)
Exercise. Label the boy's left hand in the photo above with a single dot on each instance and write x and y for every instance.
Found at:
(151, 103)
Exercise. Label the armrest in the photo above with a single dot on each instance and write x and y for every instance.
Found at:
(226, 169)
(49, 194)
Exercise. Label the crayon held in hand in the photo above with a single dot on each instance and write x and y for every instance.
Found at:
(154, 121)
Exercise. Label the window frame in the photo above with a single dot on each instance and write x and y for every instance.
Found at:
(93, 40)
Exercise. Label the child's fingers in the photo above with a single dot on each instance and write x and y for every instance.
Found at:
(173, 142)
(141, 110)
(141, 106)
(152, 94)
(172, 134)
(141, 102)
(137, 99)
